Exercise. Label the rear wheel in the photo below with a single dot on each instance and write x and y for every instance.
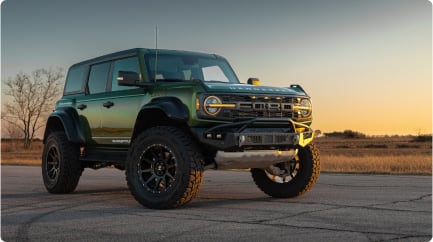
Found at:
(290, 179)
(61, 169)
(164, 168)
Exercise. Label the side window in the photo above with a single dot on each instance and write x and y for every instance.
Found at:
(128, 64)
(98, 78)
(75, 79)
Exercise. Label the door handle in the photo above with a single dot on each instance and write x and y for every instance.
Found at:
(108, 104)
(82, 106)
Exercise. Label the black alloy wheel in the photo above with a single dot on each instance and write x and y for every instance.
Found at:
(157, 168)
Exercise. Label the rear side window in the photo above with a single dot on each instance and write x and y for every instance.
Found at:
(98, 78)
(75, 79)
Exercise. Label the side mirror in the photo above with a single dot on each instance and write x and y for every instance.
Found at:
(128, 78)
(253, 81)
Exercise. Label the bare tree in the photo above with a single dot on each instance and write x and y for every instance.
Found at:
(13, 134)
(30, 99)
(11, 131)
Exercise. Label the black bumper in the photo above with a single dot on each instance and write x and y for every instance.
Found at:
(242, 135)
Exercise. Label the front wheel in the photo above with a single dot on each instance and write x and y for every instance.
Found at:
(292, 178)
(61, 168)
(164, 168)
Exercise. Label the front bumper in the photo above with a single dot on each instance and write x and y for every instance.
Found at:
(245, 135)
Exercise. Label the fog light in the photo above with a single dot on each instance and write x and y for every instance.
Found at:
(241, 140)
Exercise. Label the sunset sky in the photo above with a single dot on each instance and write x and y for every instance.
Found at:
(366, 64)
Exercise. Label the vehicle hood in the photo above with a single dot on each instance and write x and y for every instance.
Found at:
(246, 88)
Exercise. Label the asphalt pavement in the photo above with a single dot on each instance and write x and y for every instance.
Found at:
(229, 207)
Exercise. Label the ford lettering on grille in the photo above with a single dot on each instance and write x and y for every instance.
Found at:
(262, 106)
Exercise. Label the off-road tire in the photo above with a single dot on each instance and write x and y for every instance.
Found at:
(305, 178)
(61, 169)
(164, 168)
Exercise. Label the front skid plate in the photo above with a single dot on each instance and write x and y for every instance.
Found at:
(252, 159)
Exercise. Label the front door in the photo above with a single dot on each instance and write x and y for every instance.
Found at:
(122, 107)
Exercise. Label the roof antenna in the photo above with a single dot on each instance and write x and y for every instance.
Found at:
(156, 51)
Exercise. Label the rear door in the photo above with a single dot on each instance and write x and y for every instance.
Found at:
(89, 106)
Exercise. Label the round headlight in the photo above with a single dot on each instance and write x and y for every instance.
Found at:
(305, 108)
(208, 105)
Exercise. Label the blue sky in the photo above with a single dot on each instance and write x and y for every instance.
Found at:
(361, 61)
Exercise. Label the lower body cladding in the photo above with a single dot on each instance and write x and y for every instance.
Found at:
(252, 159)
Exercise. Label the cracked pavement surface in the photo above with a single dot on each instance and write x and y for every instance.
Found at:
(229, 207)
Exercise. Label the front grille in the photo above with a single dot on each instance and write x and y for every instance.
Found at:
(250, 106)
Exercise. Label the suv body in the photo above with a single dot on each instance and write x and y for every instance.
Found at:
(165, 115)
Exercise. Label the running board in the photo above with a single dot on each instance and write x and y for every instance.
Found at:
(98, 157)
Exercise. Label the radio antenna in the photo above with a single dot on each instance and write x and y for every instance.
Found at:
(156, 51)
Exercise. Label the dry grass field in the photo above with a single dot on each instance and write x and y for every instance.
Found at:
(12, 153)
(374, 155)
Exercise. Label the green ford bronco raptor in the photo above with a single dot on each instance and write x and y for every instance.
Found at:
(164, 116)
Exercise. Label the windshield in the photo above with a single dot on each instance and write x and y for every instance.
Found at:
(189, 67)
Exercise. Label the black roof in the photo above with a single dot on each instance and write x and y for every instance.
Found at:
(108, 57)
(135, 51)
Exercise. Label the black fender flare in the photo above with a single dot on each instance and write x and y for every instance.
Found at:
(172, 107)
(70, 121)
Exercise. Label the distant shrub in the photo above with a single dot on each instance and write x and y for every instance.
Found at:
(406, 146)
(334, 134)
(346, 134)
(354, 134)
(422, 138)
(375, 146)
(342, 147)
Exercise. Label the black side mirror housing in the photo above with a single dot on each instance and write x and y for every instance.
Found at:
(128, 78)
